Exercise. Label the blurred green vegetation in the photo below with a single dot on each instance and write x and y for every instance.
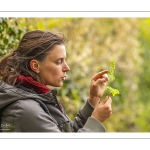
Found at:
(92, 43)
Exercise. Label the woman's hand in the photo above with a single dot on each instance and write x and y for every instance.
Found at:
(103, 110)
(98, 84)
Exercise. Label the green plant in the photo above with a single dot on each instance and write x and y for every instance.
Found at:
(10, 35)
(111, 76)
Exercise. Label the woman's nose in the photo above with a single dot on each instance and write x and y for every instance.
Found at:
(66, 67)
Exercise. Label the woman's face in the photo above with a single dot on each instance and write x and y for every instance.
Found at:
(53, 70)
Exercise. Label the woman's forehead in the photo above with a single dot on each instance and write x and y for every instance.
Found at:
(58, 51)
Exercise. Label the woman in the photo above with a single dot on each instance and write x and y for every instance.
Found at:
(28, 105)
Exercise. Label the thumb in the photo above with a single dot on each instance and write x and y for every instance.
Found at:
(108, 101)
(105, 100)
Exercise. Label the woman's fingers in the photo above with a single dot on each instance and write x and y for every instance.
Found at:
(100, 81)
(100, 74)
(103, 110)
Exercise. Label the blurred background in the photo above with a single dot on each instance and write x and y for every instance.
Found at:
(92, 44)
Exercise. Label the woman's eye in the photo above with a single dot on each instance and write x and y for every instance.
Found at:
(59, 62)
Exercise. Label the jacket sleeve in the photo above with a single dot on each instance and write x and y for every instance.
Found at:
(84, 123)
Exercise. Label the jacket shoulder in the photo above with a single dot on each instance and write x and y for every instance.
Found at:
(29, 116)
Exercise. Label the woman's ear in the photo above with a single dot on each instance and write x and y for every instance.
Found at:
(34, 65)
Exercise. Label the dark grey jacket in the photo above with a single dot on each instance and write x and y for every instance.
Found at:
(24, 114)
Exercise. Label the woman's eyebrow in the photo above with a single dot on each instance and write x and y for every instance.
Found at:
(61, 58)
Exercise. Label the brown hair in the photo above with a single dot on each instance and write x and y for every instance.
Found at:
(33, 45)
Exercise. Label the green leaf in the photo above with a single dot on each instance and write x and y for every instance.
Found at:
(113, 91)
(111, 72)
(111, 76)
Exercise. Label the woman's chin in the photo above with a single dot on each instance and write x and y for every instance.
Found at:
(59, 85)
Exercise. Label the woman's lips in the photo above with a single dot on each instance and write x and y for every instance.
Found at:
(63, 78)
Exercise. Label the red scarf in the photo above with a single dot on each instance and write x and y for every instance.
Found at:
(30, 83)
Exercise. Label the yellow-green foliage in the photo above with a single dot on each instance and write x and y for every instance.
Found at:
(111, 76)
